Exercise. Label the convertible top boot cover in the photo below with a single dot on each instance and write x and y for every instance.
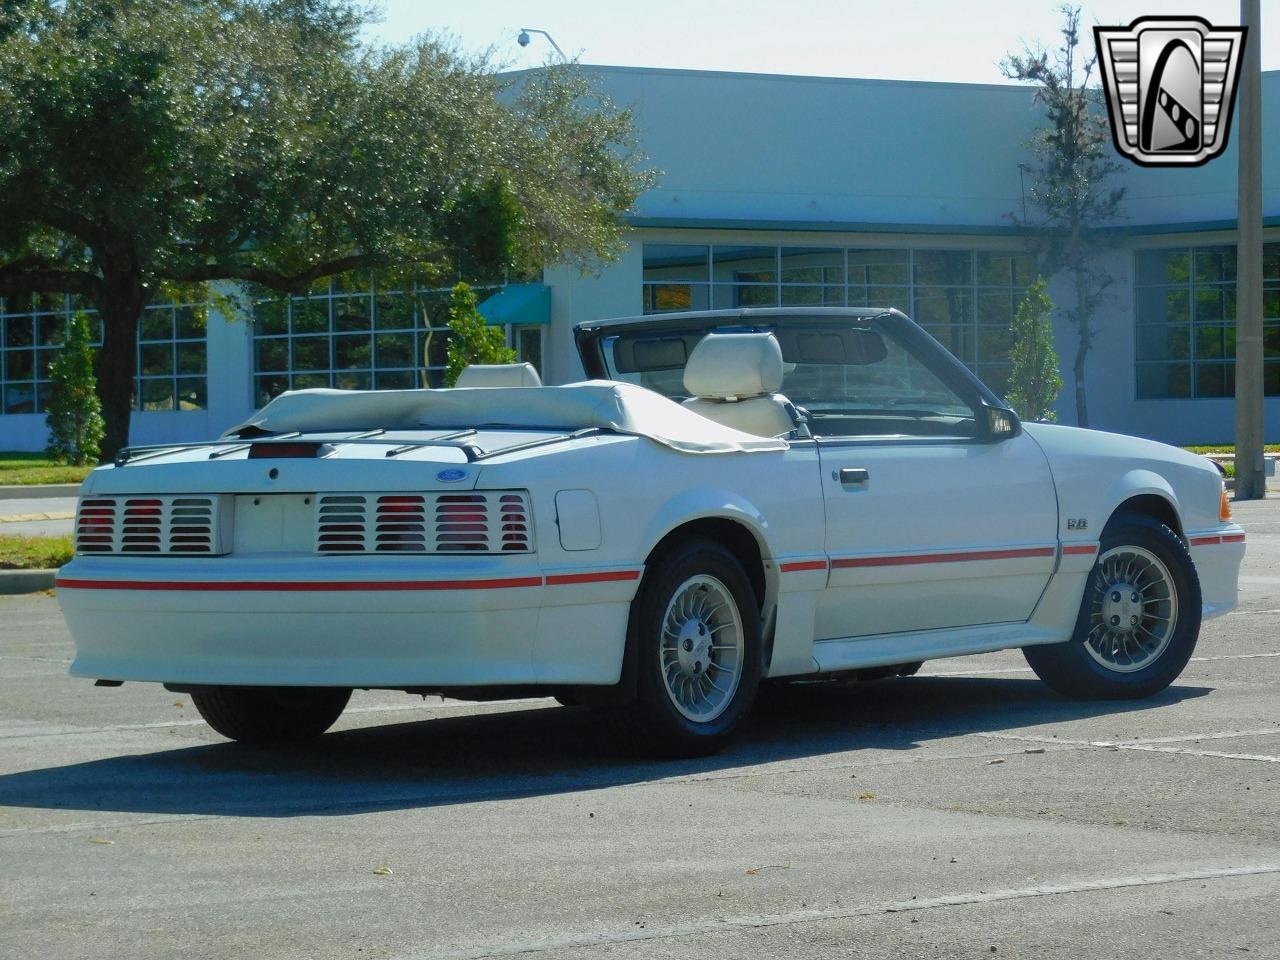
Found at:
(602, 404)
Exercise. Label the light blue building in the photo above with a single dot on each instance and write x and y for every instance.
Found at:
(775, 190)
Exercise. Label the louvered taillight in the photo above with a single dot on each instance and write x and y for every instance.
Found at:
(149, 525)
(478, 522)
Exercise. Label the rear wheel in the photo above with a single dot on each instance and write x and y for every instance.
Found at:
(1139, 618)
(271, 714)
(698, 651)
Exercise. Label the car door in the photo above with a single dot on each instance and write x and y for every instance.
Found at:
(931, 522)
(924, 534)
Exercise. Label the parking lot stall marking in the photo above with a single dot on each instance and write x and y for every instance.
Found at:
(715, 925)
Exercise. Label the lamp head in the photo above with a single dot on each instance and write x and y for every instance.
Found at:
(523, 39)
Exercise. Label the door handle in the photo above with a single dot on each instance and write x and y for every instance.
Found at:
(851, 476)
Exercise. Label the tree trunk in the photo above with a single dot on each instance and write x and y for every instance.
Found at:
(1082, 404)
(1085, 331)
(120, 308)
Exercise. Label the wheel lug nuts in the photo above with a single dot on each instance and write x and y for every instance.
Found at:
(1115, 597)
(1115, 621)
(688, 646)
(697, 666)
(1134, 598)
(702, 629)
(1133, 621)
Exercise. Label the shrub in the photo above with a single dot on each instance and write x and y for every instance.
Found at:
(1035, 380)
(471, 339)
(74, 416)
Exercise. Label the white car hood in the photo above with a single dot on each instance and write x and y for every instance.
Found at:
(622, 407)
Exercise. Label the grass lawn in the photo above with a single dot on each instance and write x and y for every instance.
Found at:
(34, 553)
(23, 469)
(1214, 448)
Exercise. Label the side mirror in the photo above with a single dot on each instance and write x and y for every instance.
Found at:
(998, 423)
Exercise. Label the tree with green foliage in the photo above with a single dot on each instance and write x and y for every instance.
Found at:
(1075, 161)
(150, 147)
(74, 416)
(1034, 380)
(471, 339)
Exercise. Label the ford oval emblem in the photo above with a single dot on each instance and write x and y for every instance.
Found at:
(451, 476)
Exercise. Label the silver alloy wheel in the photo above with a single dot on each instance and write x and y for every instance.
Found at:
(702, 648)
(1134, 610)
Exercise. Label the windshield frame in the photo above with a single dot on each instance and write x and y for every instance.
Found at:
(590, 338)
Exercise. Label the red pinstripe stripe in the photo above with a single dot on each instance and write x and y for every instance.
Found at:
(1233, 538)
(1080, 549)
(1011, 554)
(296, 586)
(1205, 541)
(607, 576)
(798, 565)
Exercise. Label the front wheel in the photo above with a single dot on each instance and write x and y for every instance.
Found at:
(1139, 618)
(271, 714)
(697, 636)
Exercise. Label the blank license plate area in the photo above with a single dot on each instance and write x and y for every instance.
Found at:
(275, 523)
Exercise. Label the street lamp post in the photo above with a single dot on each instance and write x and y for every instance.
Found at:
(523, 39)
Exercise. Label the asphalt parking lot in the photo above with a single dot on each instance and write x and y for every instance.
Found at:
(963, 812)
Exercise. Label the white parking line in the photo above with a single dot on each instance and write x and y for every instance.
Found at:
(995, 670)
(1157, 744)
(1185, 751)
(714, 925)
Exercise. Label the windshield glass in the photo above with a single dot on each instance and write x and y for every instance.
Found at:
(854, 379)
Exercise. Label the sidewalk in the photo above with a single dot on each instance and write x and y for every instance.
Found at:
(37, 517)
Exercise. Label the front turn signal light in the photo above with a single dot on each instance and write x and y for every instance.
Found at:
(1224, 505)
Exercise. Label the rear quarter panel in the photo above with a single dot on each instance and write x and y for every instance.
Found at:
(644, 490)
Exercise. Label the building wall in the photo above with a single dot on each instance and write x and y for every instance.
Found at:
(735, 146)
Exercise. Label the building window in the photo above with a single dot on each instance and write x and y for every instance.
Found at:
(172, 359)
(172, 364)
(352, 338)
(526, 340)
(964, 298)
(676, 277)
(1185, 314)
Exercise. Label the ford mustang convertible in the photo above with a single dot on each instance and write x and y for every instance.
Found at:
(733, 497)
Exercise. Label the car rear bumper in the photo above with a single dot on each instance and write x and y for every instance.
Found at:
(336, 621)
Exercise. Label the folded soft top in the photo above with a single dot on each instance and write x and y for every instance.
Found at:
(622, 407)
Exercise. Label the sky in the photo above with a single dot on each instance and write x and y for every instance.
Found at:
(960, 41)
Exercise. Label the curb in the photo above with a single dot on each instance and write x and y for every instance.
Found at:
(26, 581)
(39, 491)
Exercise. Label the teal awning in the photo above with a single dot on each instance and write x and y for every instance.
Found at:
(518, 303)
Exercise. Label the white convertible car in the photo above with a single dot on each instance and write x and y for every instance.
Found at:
(735, 496)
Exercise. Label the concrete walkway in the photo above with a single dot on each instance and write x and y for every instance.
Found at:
(45, 517)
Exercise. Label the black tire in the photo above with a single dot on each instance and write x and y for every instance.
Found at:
(271, 714)
(653, 722)
(1072, 670)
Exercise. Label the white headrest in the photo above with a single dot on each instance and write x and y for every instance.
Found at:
(734, 365)
(499, 375)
